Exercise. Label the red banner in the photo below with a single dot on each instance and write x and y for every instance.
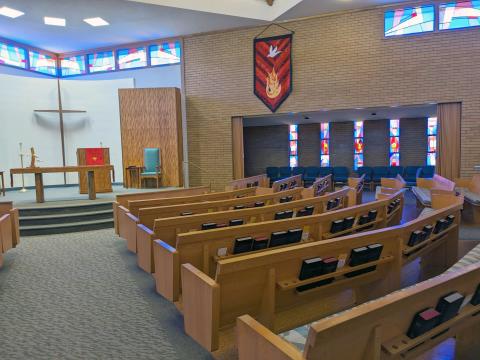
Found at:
(94, 156)
(273, 69)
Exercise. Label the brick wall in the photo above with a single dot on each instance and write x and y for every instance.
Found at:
(340, 61)
(341, 144)
(265, 146)
(413, 142)
(376, 133)
(309, 145)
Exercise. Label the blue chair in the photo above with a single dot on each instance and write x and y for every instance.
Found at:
(272, 173)
(340, 174)
(410, 175)
(368, 172)
(427, 172)
(324, 171)
(299, 170)
(284, 172)
(379, 172)
(393, 171)
(152, 166)
(311, 173)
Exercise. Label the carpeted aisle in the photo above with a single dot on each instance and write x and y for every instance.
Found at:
(81, 296)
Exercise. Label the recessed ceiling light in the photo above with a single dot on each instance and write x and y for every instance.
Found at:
(96, 21)
(54, 21)
(11, 13)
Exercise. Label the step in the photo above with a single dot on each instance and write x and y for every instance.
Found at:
(71, 209)
(65, 218)
(66, 228)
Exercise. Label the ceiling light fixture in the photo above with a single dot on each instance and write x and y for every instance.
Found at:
(11, 13)
(96, 21)
(54, 21)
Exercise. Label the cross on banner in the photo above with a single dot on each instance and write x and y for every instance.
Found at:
(60, 112)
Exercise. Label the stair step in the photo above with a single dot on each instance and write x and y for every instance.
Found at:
(71, 209)
(65, 218)
(66, 227)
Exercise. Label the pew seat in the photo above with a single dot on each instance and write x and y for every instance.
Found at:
(470, 196)
(423, 195)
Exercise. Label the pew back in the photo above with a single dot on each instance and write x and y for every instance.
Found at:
(393, 183)
(6, 207)
(287, 183)
(437, 182)
(252, 181)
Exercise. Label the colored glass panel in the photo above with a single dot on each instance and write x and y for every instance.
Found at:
(293, 161)
(73, 65)
(324, 144)
(293, 136)
(358, 129)
(357, 161)
(394, 127)
(165, 53)
(395, 159)
(324, 147)
(102, 61)
(325, 160)
(432, 128)
(459, 14)
(432, 144)
(13, 56)
(358, 144)
(325, 131)
(132, 58)
(43, 63)
(431, 159)
(410, 20)
(394, 144)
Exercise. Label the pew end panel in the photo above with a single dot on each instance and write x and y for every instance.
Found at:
(130, 232)
(145, 238)
(115, 206)
(15, 217)
(167, 270)
(6, 234)
(122, 212)
(201, 307)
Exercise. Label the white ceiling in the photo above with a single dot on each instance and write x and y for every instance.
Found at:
(139, 20)
(379, 113)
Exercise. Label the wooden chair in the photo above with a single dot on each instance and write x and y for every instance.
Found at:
(375, 330)
(152, 165)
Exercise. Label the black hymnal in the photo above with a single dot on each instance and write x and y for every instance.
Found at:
(440, 226)
(338, 201)
(283, 200)
(288, 214)
(294, 235)
(239, 207)
(302, 212)
(289, 198)
(415, 237)
(235, 222)
(249, 185)
(427, 229)
(337, 226)
(423, 321)
(476, 297)
(279, 215)
(259, 204)
(219, 226)
(364, 219)
(255, 183)
(450, 219)
(243, 244)
(329, 266)
(358, 256)
(372, 215)
(449, 305)
(317, 267)
(208, 226)
(260, 243)
(186, 213)
(374, 251)
(390, 208)
(330, 204)
(348, 222)
(309, 209)
(278, 238)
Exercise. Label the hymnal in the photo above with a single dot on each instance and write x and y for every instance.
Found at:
(364, 219)
(427, 229)
(255, 183)
(440, 226)
(330, 204)
(372, 215)
(348, 222)
(294, 235)
(283, 200)
(337, 226)
(239, 207)
(374, 251)
(310, 268)
(302, 212)
(309, 209)
(476, 297)
(279, 215)
(278, 238)
(423, 322)
(289, 198)
(208, 226)
(219, 226)
(288, 214)
(450, 219)
(260, 243)
(243, 244)
(359, 256)
(415, 238)
(259, 204)
(448, 306)
(186, 213)
(235, 222)
(317, 267)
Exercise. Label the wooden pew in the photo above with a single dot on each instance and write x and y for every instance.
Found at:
(287, 183)
(425, 187)
(263, 284)
(320, 187)
(147, 216)
(253, 181)
(6, 207)
(202, 249)
(6, 235)
(122, 200)
(168, 229)
(470, 189)
(134, 206)
(376, 330)
(357, 184)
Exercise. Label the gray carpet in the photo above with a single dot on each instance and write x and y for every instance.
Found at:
(81, 296)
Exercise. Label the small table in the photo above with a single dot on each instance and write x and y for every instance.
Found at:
(2, 189)
(39, 171)
(133, 177)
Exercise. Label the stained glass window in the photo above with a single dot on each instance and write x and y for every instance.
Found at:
(293, 136)
(102, 61)
(459, 14)
(165, 53)
(324, 144)
(395, 142)
(13, 56)
(358, 144)
(410, 20)
(132, 58)
(73, 65)
(432, 128)
(43, 63)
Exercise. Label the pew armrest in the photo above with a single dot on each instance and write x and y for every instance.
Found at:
(15, 216)
(167, 270)
(201, 307)
(115, 206)
(256, 342)
(129, 231)
(145, 248)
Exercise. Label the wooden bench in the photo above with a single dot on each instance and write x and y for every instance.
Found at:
(122, 200)
(357, 184)
(470, 189)
(203, 249)
(287, 183)
(6, 208)
(252, 181)
(167, 229)
(319, 187)
(264, 284)
(425, 187)
(6, 235)
(147, 216)
(375, 330)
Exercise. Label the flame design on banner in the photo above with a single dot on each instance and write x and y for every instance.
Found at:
(273, 70)
(94, 156)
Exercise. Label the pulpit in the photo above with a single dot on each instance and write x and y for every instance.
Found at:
(93, 157)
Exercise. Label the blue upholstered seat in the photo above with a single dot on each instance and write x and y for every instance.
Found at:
(427, 172)
(272, 173)
(410, 175)
(367, 171)
(151, 164)
(311, 173)
(379, 172)
(393, 171)
(340, 174)
(285, 172)
(299, 170)
(325, 171)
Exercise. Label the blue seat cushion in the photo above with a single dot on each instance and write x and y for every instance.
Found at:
(379, 172)
(148, 173)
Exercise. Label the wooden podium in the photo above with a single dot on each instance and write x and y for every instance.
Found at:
(91, 157)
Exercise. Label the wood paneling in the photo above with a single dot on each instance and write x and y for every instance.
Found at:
(152, 118)
(103, 180)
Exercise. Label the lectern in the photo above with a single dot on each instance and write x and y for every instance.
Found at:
(92, 157)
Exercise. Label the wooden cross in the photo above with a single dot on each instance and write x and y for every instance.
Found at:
(60, 112)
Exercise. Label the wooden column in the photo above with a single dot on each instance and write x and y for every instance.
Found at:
(39, 188)
(237, 148)
(449, 139)
(92, 194)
